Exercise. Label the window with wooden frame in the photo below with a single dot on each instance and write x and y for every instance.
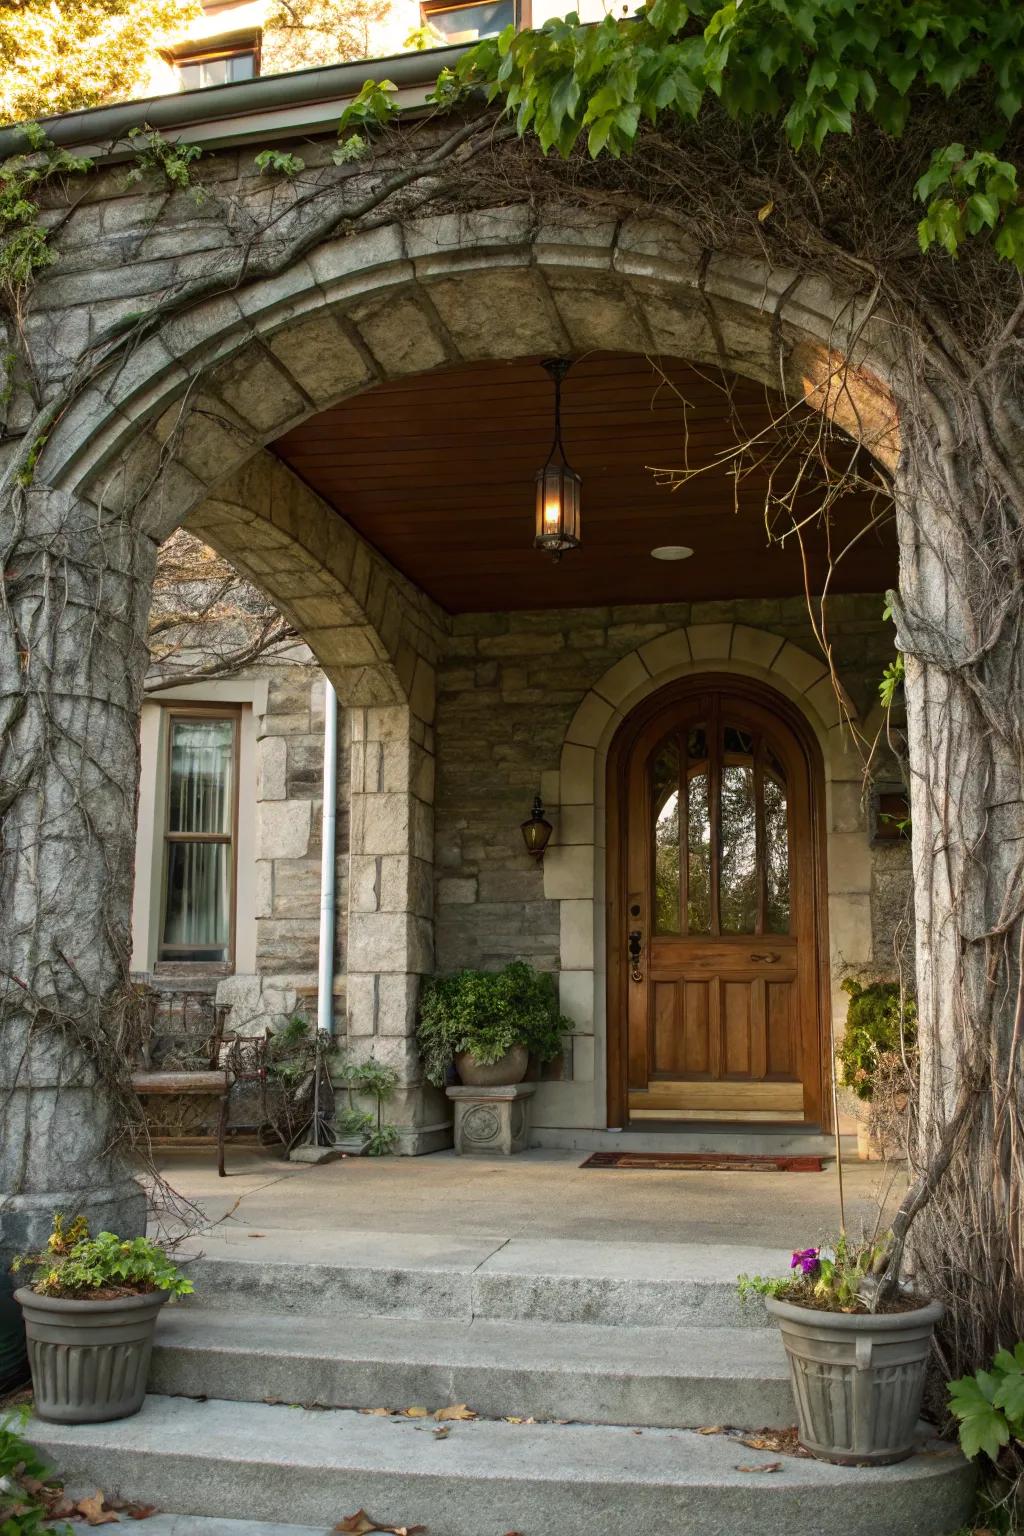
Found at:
(217, 66)
(197, 917)
(469, 22)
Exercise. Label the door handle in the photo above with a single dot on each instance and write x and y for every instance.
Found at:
(769, 959)
(636, 943)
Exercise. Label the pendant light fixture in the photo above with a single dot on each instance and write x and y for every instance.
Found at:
(558, 484)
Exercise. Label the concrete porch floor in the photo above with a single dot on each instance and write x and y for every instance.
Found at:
(541, 1194)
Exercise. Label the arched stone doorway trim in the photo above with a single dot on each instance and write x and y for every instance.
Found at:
(404, 299)
(575, 863)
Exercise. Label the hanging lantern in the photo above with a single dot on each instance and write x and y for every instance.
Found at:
(558, 484)
(536, 831)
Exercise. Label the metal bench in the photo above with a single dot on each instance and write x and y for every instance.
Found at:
(186, 1062)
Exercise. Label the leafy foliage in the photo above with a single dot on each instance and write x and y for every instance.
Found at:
(76, 1264)
(23, 1487)
(831, 1283)
(881, 1022)
(376, 1081)
(373, 108)
(61, 55)
(169, 159)
(487, 1013)
(24, 242)
(278, 162)
(989, 1405)
(812, 65)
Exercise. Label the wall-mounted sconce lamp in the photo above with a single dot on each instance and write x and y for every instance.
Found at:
(536, 831)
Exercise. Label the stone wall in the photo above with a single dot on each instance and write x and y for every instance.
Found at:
(506, 695)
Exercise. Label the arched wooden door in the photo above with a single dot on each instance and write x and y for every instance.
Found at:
(717, 910)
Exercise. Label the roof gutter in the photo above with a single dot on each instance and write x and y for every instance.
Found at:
(276, 106)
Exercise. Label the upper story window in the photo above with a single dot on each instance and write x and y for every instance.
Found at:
(200, 817)
(468, 23)
(223, 68)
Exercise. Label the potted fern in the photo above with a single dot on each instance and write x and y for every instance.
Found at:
(858, 1350)
(487, 1024)
(90, 1313)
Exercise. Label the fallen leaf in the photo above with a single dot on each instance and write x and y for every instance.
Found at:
(255, 1234)
(140, 1511)
(416, 1413)
(377, 1413)
(91, 1509)
(442, 1432)
(455, 1411)
(711, 1429)
(511, 1419)
(766, 1466)
(764, 211)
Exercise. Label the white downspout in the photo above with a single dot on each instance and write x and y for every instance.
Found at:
(325, 976)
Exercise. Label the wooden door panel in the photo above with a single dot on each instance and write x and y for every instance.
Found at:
(706, 1004)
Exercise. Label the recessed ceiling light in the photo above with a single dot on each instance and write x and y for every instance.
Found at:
(672, 552)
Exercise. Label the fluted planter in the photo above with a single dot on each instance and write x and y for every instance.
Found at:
(89, 1359)
(857, 1379)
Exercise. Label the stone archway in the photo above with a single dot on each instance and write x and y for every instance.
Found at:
(574, 867)
(169, 434)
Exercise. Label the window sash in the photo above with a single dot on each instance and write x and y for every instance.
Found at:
(219, 954)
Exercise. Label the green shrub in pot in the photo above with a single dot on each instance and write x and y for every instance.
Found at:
(90, 1313)
(485, 1015)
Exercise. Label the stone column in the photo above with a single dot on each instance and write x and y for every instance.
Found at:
(77, 585)
(390, 920)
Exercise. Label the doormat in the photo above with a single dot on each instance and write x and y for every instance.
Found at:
(703, 1162)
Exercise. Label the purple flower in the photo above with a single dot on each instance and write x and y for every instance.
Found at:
(805, 1259)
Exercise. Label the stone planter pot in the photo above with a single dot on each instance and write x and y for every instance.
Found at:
(89, 1359)
(510, 1069)
(857, 1379)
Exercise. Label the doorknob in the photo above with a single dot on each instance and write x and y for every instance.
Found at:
(769, 959)
(636, 941)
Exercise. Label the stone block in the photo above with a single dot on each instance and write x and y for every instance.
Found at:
(598, 315)
(577, 775)
(272, 768)
(849, 921)
(569, 873)
(847, 811)
(590, 720)
(799, 667)
(456, 891)
(576, 999)
(666, 653)
(551, 787)
(283, 828)
(492, 1122)
(423, 693)
(521, 644)
(505, 313)
(400, 335)
(297, 888)
(623, 679)
(260, 391)
(710, 642)
(822, 699)
(319, 353)
(575, 825)
(849, 862)
(386, 823)
(576, 935)
(397, 1000)
(583, 1054)
(755, 646)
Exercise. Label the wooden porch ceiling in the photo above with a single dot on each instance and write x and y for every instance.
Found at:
(437, 473)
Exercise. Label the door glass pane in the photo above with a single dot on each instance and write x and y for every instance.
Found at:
(698, 834)
(200, 786)
(665, 805)
(197, 910)
(737, 886)
(776, 832)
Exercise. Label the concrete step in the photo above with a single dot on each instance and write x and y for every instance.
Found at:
(418, 1275)
(670, 1377)
(201, 1525)
(485, 1479)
